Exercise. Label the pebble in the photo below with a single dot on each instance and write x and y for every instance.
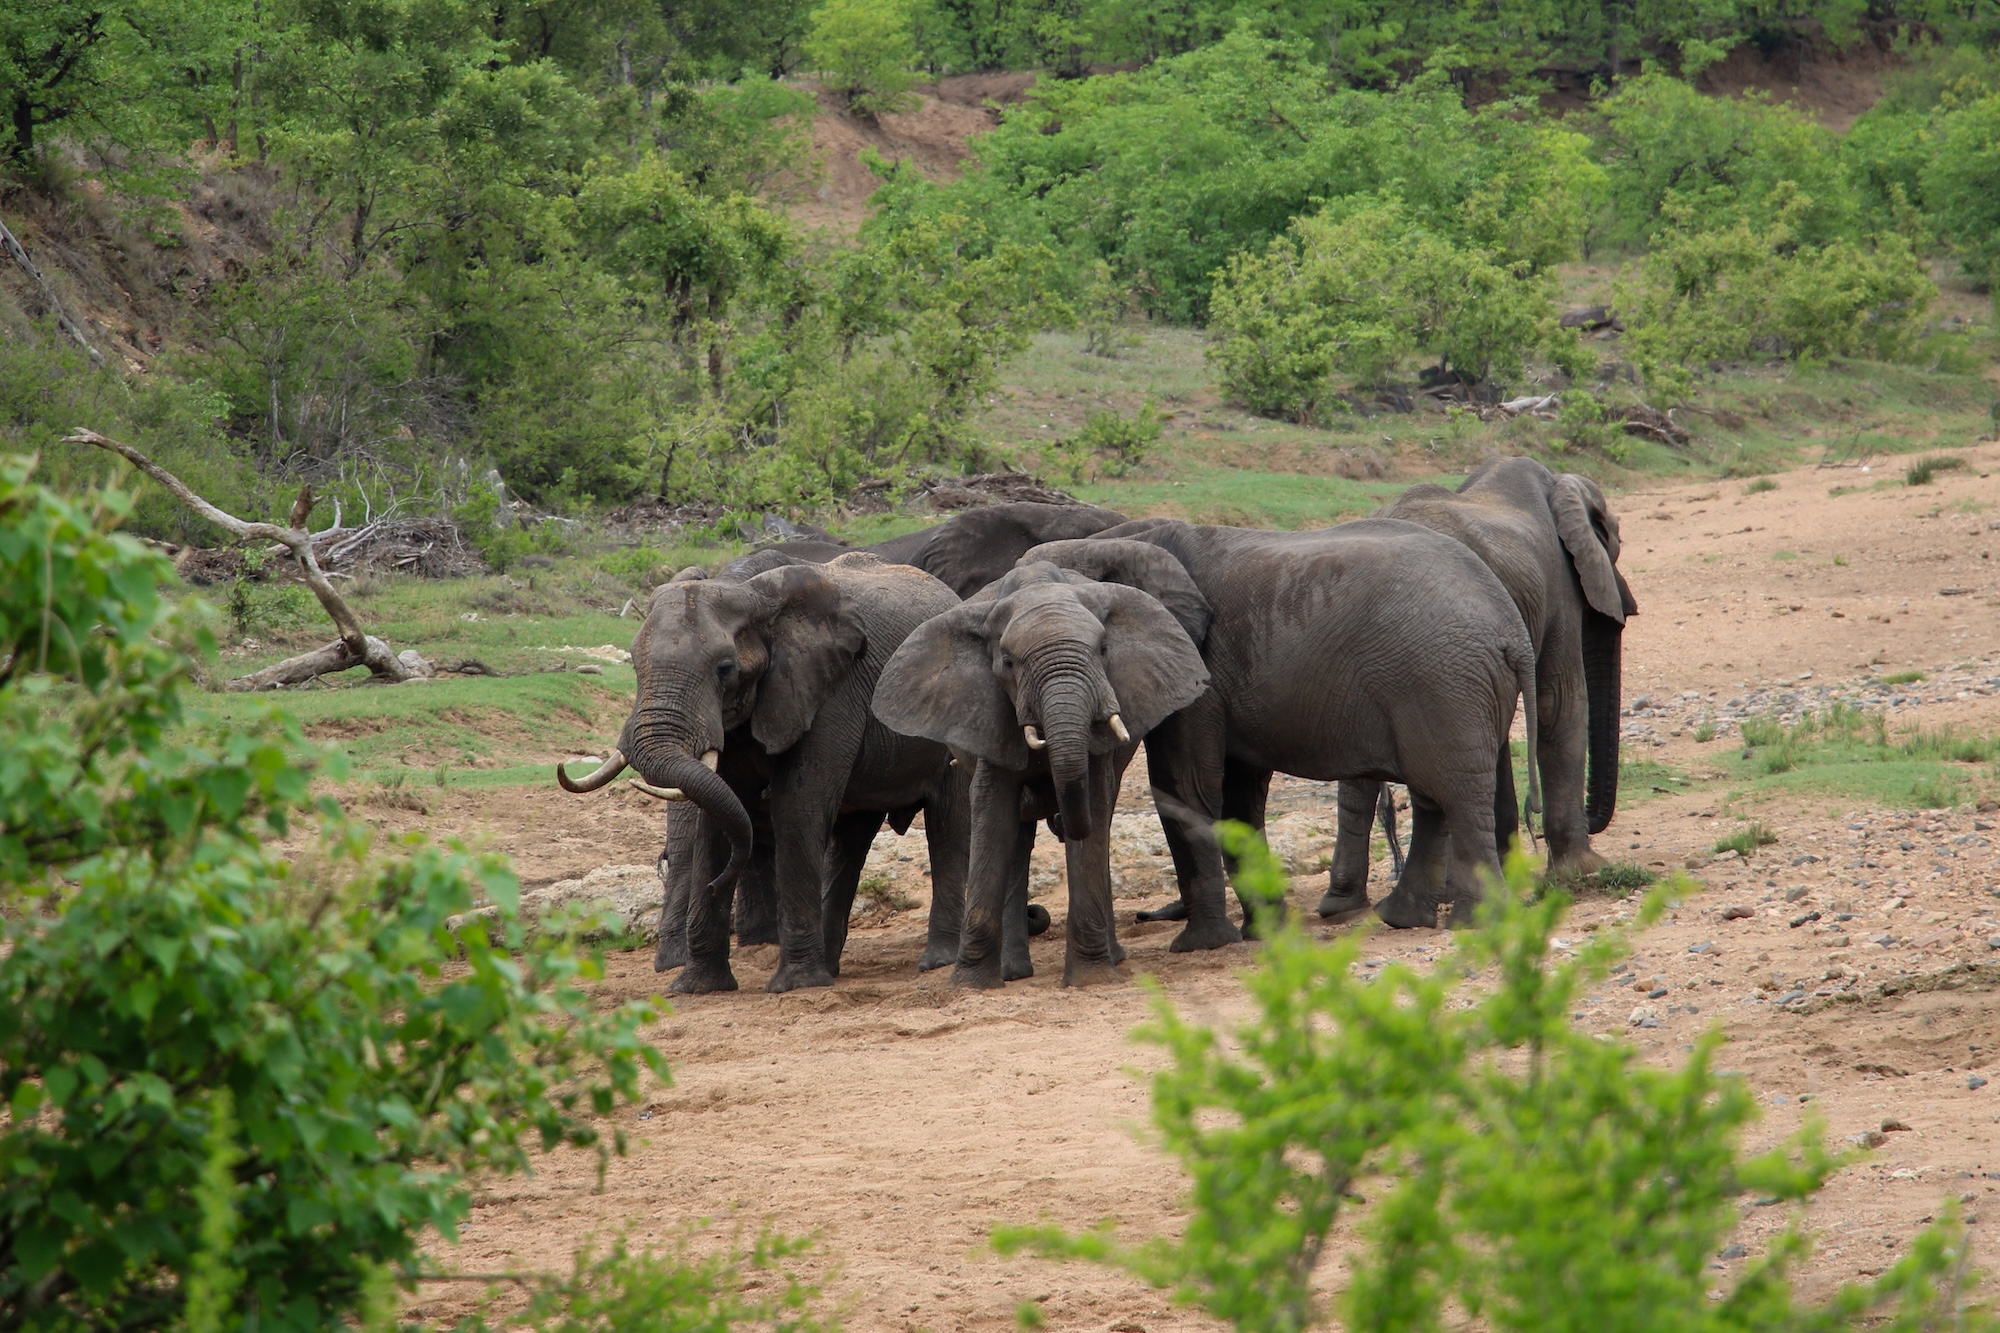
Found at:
(1791, 996)
(1656, 992)
(1732, 1252)
(1642, 1017)
(1703, 947)
(1869, 1138)
(1798, 921)
(1975, 1083)
(1894, 1127)
(1738, 912)
(1780, 1099)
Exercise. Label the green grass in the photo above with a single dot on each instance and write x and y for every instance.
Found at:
(1924, 471)
(1903, 678)
(1784, 555)
(1848, 753)
(1640, 780)
(1244, 497)
(1759, 486)
(1620, 879)
(1746, 840)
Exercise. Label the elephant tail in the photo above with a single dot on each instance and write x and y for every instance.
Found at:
(1521, 656)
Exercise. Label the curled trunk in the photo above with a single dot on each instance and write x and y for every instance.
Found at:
(1603, 663)
(718, 802)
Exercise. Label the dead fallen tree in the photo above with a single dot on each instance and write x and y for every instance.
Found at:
(352, 649)
(1633, 418)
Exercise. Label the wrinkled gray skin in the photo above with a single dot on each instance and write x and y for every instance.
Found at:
(1376, 650)
(975, 548)
(775, 671)
(1047, 650)
(1553, 543)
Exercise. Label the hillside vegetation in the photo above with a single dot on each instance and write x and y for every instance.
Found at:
(406, 249)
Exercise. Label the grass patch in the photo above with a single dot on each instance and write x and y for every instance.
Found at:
(1620, 879)
(1759, 486)
(1242, 497)
(1784, 555)
(1848, 753)
(1640, 780)
(1903, 678)
(1704, 731)
(1924, 471)
(1746, 840)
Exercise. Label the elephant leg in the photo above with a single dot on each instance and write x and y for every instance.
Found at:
(1474, 864)
(756, 920)
(1000, 839)
(1385, 815)
(1563, 740)
(1347, 883)
(1015, 964)
(846, 853)
(1189, 801)
(1506, 815)
(804, 821)
(1246, 794)
(948, 831)
(676, 867)
(1414, 901)
(707, 968)
(1090, 954)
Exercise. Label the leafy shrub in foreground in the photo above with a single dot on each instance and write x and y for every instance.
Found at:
(1532, 1176)
(173, 995)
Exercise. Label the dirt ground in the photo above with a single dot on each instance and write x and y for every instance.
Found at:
(900, 1120)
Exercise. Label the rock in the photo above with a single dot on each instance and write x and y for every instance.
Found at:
(1738, 912)
(414, 663)
(1656, 992)
(1732, 1252)
(1791, 997)
(1893, 1126)
(1796, 892)
(1975, 1082)
(1642, 1017)
(1869, 1138)
(589, 669)
(624, 898)
(1801, 920)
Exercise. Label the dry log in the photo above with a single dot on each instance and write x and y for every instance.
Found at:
(353, 648)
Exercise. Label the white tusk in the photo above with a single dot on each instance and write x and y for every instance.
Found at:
(658, 793)
(1118, 728)
(1035, 741)
(711, 759)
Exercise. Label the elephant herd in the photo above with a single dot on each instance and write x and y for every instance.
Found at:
(998, 672)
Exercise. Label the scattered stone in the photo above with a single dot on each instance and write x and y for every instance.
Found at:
(1738, 912)
(1642, 1017)
(588, 669)
(1780, 1099)
(614, 901)
(1869, 1138)
(1656, 992)
(1798, 921)
(1791, 997)
(1975, 1082)
(1894, 1127)
(1732, 1252)
(1703, 947)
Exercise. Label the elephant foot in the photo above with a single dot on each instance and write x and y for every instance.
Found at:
(1176, 910)
(937, 954)
(1464, 914)
(1117, 953)
(798, 976)
(703, 979)
(1574, 864)
(1341, 908)
(1100, 972)
(1199, 935)
(1017, 969)
(1038, 919)
(982, 975)
(1406, 911)
(673, 953)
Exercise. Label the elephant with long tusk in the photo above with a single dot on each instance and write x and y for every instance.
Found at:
(752, 717)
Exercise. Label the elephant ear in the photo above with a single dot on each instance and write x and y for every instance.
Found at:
(815, 637)
(939, 684)
(1138, 565)
(1154, 667)
(1590, 533)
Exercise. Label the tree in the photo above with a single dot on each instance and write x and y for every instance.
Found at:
(864, 49)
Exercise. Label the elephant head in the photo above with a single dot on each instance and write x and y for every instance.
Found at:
(715, 655)
(1589, 533)
(1043, 665)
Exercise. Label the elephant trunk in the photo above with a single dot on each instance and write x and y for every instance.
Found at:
(1068, 707)
(664, 752)
(1603, 669)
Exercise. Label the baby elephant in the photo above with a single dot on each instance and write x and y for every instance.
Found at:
(1045, 681)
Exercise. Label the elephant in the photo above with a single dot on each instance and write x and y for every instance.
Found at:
(753, 696)
(1045, 681)
(976, 547)
(1553, 543)
(1375, 650)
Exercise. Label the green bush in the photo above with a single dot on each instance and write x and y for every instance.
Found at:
(1740, 291)
(1353, 295)
(864, 49)
(173, 995)
(1746, 840)
(1925, 470)
(1518, 1170)
(1109, 445)
(1959, 186)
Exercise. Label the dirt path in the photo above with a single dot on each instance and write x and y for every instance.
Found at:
(901, 1119)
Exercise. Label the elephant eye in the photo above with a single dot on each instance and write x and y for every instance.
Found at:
(1006, 663)
(725, 668)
